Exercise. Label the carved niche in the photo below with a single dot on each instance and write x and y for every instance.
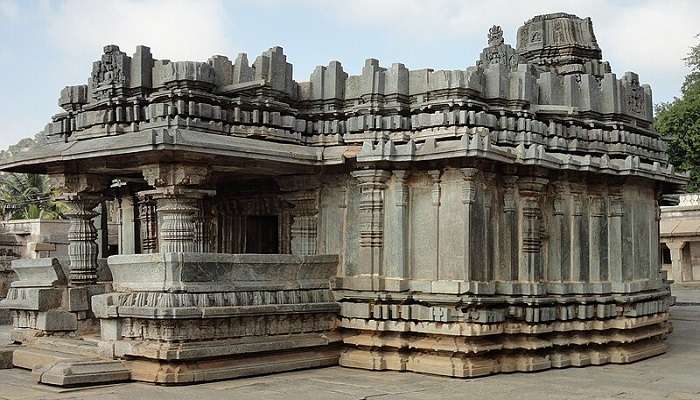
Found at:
(110, 72)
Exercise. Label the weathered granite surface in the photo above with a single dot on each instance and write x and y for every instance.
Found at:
(41, 303)
(217, 316)
(499, 218)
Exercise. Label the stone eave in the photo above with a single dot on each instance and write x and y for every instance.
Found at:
(40, 158)
(479, 146)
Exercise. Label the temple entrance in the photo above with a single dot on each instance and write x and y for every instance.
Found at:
(262, 234)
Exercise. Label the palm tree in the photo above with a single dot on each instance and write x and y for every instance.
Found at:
(28, 196)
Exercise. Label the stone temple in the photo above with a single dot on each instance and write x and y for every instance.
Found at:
(499, 218)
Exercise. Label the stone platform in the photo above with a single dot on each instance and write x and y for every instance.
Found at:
(195, 317)
(672, 376)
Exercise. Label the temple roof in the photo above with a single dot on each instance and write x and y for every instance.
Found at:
(553, 92)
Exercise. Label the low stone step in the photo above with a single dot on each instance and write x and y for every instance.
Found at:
(67, 345)
(30, 357)
(72, 373)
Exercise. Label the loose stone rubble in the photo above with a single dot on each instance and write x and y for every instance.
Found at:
(494, 219)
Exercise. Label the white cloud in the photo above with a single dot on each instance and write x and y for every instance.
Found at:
(175, 29)
(9, 9)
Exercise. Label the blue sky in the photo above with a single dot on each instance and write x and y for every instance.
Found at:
(46, 45)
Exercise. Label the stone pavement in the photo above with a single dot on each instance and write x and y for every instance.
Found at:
(670, 376)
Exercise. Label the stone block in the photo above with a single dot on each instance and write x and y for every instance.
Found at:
(72, 373)
(39, 272)
(55, 320)
(32, 298)
(6, 356)
(211, 272)
(78, 299)
(109, 329)
(38, 246)
(31, 358)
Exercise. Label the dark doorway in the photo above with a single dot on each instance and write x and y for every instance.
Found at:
(261, 234)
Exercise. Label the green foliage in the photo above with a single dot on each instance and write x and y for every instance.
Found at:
(28, 196)
(679, 122)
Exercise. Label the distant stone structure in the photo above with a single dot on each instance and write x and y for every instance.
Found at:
(680, 235)
(499, 218)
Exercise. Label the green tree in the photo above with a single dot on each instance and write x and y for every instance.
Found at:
(28, 196)
(679, 122)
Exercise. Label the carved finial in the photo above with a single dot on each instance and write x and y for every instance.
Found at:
(495, 36)
(111, 48)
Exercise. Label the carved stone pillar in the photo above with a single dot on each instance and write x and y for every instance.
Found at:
(301, 218)
(148, 223)
(371, 209)
(128, 224)
(82, 236)
(678, 266)
(530, 190)
(177, 196)
(304, 234)
(81, 193)
(176, 210)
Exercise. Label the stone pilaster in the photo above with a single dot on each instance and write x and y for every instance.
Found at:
(372, 184)
(654, 248)
(557, 270)
(396, 263)
(577, 227)
(488, 228)
(469, 190)
(597, 271)
(436, 194)
(509, 249)
(530, 190)
(615, 213)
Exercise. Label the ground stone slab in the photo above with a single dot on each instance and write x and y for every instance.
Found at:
(70, 373)
(6, 356)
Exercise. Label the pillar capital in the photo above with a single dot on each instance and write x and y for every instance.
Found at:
(531, 186)
(72, 184)
(163, 175)
(371, 177)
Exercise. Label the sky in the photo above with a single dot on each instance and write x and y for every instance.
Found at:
(46, 45)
